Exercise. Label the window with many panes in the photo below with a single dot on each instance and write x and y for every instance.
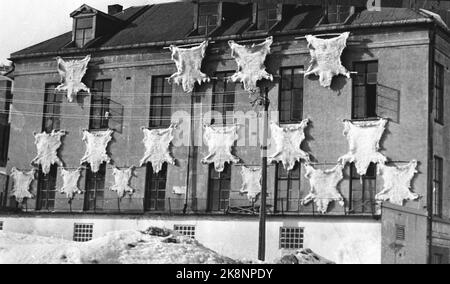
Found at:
(438, 186)
(267, 15)
(291, 95)
(155, 189)
(287, 189)
(46, 193)
(337, 12)
(160, 103)
(365, 90)
(291, 237)
(84, 31)
(208, 18)
(362, 190)
(223, 98)
(83, 232)
(100, 103)
(439, 93)
(185, 230)
(95, 189)
(52, 108)
(400, 232)
(219, 189)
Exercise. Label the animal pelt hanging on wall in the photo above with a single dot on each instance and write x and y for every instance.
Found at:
(364, 143)
(72, 72)
(324, 187)
(157, 147)
(22, 182)
(70, 182)
(326, 58)
(220, 140)
(122, 180)
(250, 61)
(287, 141)
(47, 150)
(189, 64)
(397, 183)
(96, 147)
(251, 182)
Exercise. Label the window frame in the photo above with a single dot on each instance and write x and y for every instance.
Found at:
(95, 178)
(185, 230)
(223, 202)
(439, 91)
(47, 183)
(208, 27)
(161, 120)
(102, 103)
(364, 189)
(338, 13)
(82, 232)
(287, 234)
(438, 174)
(83, 30)
(53, 116)
(286, 202)
(356, 84)
(292, 88)
(229, 91)
(264, 9)
(155, 179)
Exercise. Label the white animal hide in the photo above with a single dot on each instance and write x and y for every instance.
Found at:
(324, 187)
(189, 64)
(326, 58)
(70, 183)
(397, 183)
(220, 141)
(179, 190)
(251, 182)
(287, 141)
(96, 146)
(364, 143)
(122, 181)
(47, 150)
(72, 72)
(22, 183)
(157, 147)
(250, 61)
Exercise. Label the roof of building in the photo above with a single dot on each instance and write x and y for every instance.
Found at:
(170, 22)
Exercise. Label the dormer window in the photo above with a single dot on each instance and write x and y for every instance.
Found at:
(84, 31)
(208, 18)
(337, 13)
(267, 16)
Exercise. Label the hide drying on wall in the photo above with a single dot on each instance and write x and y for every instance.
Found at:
(70, 182)
(96, 147)
(72, 72)
(22, 182)
(251, 182)
(157, 147)
(220, 140)
(122, 180)
(47, 150)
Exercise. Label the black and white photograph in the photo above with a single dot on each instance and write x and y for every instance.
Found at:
(253, 134)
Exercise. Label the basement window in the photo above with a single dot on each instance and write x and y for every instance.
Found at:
(83, 232)
(208, 18)
(1, 225)
(291, 237)
(185, 230)
(400, 232)
(84, 31)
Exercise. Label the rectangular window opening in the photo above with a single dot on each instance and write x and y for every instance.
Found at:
(83, 232)
(291, 238)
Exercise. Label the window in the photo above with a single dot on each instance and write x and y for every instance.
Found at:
(6, 96)
(291, 95)
(365, 90)
(437, 186)
(400, 232)
(160, 103)
(95, 187)
(362, 190)
(46, 194)
(287, 189)
(337, 13)
(219, 189)
(185, 230)
(83, 232)
(52, 108)
(291, 238)
(223, 98)
(208, 18)
(100, 105)
(267, 16)
(1, 225)
(84, 31)
(155, 191)
(439, 93)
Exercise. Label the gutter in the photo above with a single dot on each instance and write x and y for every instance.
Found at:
(256, 35)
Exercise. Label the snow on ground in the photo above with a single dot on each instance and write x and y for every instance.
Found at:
(124, 247)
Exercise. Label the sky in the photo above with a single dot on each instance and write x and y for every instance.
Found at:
(27, 22)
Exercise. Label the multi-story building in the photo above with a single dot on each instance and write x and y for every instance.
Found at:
(399, 56)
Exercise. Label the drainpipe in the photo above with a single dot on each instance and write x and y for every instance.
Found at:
(432, 35)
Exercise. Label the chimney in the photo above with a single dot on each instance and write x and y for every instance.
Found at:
(114, 9)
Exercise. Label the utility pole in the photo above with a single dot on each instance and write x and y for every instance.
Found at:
(264, 100)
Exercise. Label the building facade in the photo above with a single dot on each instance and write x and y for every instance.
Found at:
(399, 58)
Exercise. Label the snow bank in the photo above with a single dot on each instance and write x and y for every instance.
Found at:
(124, 247)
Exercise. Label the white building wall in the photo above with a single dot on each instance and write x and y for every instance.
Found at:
(343, 241)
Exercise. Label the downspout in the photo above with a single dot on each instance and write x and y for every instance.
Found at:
(431, 60)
